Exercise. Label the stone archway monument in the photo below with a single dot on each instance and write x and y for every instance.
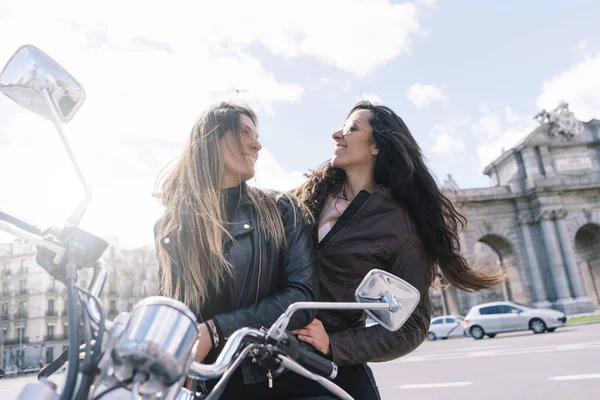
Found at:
(543, 191)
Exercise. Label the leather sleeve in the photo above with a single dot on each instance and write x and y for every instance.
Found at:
(298, 276)
(377, 344)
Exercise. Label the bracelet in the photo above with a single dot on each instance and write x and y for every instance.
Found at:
(212, 340)
(215, 334)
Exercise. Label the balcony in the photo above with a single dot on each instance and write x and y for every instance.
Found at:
(20, 315)
(51, 313)
(6, 272)
(9, 342)
(5, 317)
(5, 293)
(52, 289)
(22, 292)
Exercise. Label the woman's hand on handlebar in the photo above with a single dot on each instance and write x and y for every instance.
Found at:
(315, 335)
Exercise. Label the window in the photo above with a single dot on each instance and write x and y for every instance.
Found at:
(438, 321)
(22, 286)
(50, 332)
(50, 306)
(487, 310)
(502, 309)
(23, 265)
(5, 310)
(21, 333)
(450, 320)
(5, 288)
(49, 355)
(129, 307)
(113, 306)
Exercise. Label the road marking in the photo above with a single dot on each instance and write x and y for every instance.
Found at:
(496, 353)
(574, 377)
(435, 385)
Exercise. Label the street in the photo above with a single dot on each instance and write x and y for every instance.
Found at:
(560, 365)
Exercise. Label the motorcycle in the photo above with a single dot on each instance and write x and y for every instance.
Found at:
(148, 353)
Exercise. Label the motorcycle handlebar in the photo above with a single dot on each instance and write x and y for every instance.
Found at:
(230, 351)
(19, 223)
(317, 364)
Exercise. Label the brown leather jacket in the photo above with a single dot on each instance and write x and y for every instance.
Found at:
(375, 231)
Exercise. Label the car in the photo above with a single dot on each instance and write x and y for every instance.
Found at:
(446, 326)
(507, 316)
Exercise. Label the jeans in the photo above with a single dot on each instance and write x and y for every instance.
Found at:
(357, 380)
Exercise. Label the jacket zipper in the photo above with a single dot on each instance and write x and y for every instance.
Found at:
(259, 267)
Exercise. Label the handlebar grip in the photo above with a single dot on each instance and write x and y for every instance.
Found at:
(317, 364)
(20, 223)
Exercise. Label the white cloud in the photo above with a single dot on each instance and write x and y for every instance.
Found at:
(498, 130)
(271, 175)
(579, 86)
(423, 95)
(488, 133)
(447, 136)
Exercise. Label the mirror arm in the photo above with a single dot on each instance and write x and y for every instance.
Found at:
(75, 218)
(278, 328)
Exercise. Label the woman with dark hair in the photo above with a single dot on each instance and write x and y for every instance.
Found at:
(376, 205)
(236, 255)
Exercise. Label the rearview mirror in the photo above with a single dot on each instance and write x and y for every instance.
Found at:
(29, 73)
(38, 83)
(382, 287)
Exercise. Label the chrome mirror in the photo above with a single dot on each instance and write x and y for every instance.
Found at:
(382, 287)
(30, 73)
(38, 83)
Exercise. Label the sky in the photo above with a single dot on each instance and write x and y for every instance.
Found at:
(466, 76)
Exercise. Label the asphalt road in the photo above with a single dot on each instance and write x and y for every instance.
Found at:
(560, 365)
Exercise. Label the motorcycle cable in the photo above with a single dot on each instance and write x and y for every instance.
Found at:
(87, 367)
(73, 314)
(98, 345)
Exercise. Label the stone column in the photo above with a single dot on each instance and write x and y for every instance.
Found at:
(530, 163)
(584, 303)
(547, 161)
(536, 275)
(564, 301)
(451, 298)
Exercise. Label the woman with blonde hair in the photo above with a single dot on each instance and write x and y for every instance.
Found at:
(236, 255)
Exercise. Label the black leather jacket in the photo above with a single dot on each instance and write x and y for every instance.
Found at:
(261, 291)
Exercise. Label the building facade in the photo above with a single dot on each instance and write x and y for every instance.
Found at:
(33, 318)
(540, 218)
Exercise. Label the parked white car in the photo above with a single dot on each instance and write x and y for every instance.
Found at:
(506, 316)
(446, 326)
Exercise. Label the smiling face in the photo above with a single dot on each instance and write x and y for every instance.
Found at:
(354, 143)
(240, 156)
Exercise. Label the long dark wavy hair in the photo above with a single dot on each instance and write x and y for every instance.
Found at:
(400, 166)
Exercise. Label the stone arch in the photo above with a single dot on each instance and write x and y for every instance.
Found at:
(587, 251)
(504, 253)
(582, 218)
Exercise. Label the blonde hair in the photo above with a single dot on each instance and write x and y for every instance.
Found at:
(194, 216)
